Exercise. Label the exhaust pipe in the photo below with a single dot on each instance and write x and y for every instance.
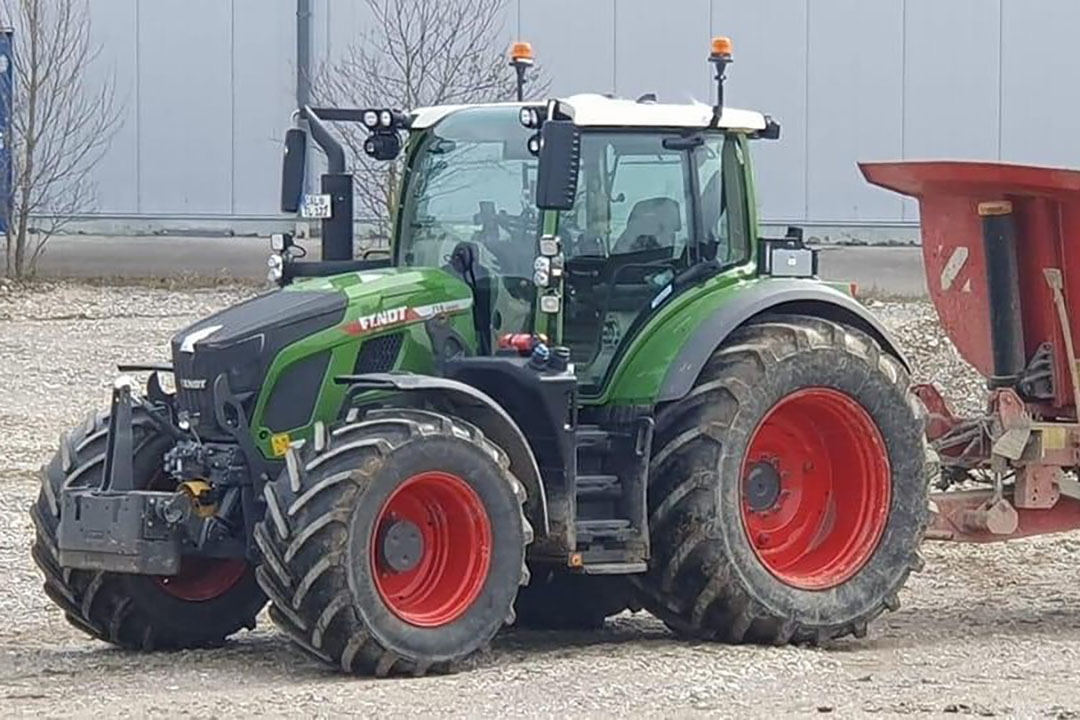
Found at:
(337, 182)
(1003, 291)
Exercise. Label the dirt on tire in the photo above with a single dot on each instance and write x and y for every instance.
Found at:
(704, 579)
(132, 611)
(322, 512)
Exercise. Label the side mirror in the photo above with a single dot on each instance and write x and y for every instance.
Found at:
(292, 170)
(560, 162)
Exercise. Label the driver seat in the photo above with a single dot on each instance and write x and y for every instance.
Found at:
(652, 225)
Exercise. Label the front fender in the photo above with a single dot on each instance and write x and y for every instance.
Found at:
(479, 408)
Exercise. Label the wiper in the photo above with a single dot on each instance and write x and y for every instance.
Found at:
(442, 146)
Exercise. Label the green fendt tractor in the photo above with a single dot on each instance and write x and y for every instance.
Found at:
(580, 383)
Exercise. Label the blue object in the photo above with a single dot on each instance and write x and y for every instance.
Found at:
(7, 96)
(540, 355)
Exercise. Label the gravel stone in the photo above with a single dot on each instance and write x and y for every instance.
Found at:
(983, 631)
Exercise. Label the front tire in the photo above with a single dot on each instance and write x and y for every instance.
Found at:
(394, 545)
(200, 607)
(787, 498)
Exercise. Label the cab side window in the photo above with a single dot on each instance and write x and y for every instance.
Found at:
(634, 196)
(724, 216)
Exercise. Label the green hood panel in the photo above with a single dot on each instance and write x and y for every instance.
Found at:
(379, 303)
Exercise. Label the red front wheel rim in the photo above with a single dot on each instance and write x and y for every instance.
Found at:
(201, 579)
(431, 549)
(815, 489)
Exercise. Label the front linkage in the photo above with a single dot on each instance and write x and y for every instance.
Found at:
(199, 502)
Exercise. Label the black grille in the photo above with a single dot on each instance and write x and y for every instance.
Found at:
(378, 354)
(293, 398)
(194, 393)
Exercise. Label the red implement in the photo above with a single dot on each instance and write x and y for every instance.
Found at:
(1010, 223)
(1046, 205)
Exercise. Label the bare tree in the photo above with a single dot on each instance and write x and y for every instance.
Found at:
(60, 128)
(417, 53)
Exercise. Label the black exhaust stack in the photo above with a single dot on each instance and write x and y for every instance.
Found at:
(337, 182)
(1003, 291)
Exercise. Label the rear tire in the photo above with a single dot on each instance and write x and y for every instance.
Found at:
(200, 607)
(777, 408)
(394, 545)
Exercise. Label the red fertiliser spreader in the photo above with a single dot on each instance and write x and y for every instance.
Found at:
(995, 241)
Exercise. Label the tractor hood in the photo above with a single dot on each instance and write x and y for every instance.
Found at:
(244, 341)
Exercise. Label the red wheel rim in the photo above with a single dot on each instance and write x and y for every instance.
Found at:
(437, 584)
(825, 458)
(201, 579)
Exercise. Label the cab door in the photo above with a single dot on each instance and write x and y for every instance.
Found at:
(650, 207)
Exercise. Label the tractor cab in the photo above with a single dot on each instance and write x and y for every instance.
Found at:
(573, 220)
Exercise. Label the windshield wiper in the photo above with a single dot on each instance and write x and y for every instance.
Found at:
(442, 146)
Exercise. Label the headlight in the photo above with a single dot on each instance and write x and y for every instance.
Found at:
(541, 278)
(274, 262)
(386, 118)
(528, 117)
(371, 119)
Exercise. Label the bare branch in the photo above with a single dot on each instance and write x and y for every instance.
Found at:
(417, 53)
(60, 128)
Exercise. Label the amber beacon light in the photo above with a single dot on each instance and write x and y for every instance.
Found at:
(721, 47)
(521, 58)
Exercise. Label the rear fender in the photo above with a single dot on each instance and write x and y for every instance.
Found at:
(798, 297)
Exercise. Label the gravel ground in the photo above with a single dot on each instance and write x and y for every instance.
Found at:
(982, 631)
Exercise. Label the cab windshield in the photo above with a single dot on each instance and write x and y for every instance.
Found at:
(471, 179)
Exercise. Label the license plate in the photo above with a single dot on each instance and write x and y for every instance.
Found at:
(316, 207)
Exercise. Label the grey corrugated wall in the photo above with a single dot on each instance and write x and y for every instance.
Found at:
(209, 86)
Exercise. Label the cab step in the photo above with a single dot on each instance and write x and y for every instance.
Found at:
(614, 530)
(615, 568)
(598, 487)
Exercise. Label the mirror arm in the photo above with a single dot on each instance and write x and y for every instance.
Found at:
(335, 153)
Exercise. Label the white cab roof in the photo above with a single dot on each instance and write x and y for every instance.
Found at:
(590, 110)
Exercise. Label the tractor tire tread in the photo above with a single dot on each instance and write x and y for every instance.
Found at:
(310, 557)
(724, 609)
(94, 602)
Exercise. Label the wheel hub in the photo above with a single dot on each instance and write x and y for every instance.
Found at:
(402, 546)
(201, 579)
(816, 488)
(431, 549)
(761, 486)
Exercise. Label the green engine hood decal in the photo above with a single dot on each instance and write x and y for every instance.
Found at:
(379, 303)
(390, 297)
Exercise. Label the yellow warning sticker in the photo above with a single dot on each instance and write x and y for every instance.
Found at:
(1054, 438)
(279, 444)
